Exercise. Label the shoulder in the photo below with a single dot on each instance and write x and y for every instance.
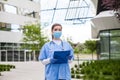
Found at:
(46, 44)
(66, 42)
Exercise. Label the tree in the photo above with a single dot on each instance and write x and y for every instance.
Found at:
(81, 47)
(91, 45)
(70, 41)
(112, 5)
(33, 37)
(76, 51)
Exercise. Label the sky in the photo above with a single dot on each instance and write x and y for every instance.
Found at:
(55, 11)
(78, 32)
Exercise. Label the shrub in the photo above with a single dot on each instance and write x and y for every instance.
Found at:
(7, 69)
(83, 64)
(4, 67)
(80, 65)
(73, 75)
(78, 76)
(116, 77)
(91, 76)
(76, 65)
(77, 72)
(87, 70)
(99, 70)
(106, 72)
(72, 71)
(13, 67)
(96, 76)
(82, 71)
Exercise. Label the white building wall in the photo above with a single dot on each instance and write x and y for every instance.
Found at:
(104, 20)
(16, 19)
(95, 2)
(23, 4)
(12, 37)
(25, 13)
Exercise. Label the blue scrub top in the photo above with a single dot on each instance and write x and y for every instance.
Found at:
(56, 71)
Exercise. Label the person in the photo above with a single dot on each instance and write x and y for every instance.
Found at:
(56, 69)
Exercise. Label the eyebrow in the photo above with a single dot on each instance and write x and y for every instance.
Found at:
(57, 29)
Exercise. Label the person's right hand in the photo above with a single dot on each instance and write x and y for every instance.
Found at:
(70, 57)
(53, 60)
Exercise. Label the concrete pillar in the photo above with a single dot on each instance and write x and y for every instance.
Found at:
(24, 55)
(0, 55)
(6, 55)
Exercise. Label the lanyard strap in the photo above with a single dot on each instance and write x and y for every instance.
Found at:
(54, 43)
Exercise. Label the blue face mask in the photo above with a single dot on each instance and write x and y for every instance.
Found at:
(57, 34)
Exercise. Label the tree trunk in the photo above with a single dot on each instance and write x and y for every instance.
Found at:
(78, 58)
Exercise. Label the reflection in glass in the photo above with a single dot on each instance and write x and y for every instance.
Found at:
(110, 44)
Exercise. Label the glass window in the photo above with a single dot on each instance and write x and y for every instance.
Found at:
(22, 56)
(15, 28)
(3, 55)
(10, 9)
(27, 56)
(104, 43)
(9, 44)
(3, 46)
(16, 55)
(110, 44)
(115, 32)
(5, 26)
(115, 47)
(10, 55)
(1, 6)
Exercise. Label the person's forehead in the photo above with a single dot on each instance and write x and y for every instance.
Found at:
(57, 27)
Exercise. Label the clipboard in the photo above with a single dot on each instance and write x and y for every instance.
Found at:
(61, 56)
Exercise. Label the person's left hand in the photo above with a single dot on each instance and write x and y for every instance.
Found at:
(53, 60)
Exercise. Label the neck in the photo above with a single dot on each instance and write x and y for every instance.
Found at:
(56, 39)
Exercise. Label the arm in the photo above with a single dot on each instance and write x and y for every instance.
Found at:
(71, 56)
(43, 57)
(45, 61)
(48, 60)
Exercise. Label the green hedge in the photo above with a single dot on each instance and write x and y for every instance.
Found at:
(6, 67)
(97, 70)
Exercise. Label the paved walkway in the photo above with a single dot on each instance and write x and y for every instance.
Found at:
(27, 70)
(24, 71)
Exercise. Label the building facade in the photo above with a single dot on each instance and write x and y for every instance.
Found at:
(106, 27)
(14, 14)
(110, 43)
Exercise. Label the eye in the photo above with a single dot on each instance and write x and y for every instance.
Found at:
(57, 29)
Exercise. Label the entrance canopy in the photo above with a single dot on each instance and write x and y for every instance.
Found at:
(104, 20)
